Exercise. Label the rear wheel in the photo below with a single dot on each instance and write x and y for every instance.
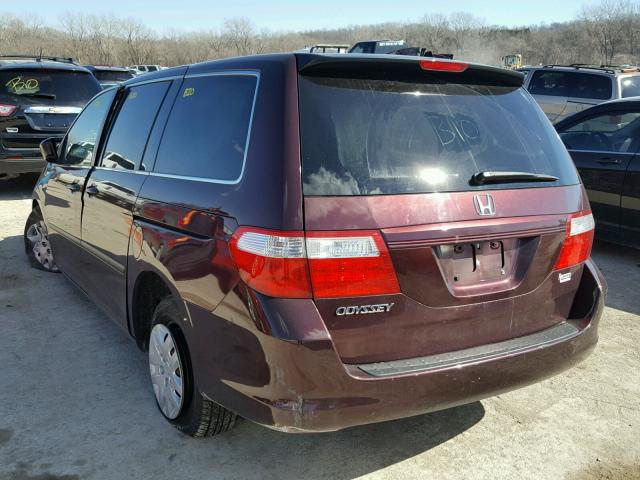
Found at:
(177, 395)
(36, 242)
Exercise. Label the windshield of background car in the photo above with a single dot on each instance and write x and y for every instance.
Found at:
(112, 75)
(368, 137)
(570, 84)
(630, 86)
(60, 87)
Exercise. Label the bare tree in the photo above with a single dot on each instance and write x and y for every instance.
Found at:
(605, 32)
(74, 25)
(240, 35)
(436, 32)
(629, 21)
(138, 42)
(462, 26)
(603, 22)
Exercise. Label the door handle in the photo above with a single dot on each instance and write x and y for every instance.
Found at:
(609, 161)
(92, 190)
(74, 187)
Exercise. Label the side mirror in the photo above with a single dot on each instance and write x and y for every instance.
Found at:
(49, 150)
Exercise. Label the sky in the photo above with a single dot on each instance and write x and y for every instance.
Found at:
(300, 15)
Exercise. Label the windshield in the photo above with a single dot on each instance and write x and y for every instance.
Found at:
(112, 75)
(60, 87)
(368, 137)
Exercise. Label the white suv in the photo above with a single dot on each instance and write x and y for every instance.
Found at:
(140, 69)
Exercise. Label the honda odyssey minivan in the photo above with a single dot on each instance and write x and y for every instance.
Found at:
(314, 242)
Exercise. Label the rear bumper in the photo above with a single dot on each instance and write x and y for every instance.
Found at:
(16, 164)
(303, 386)
(26, 158)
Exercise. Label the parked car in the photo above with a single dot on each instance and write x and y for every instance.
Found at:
(314, 242)
(110, 76)
(562, 90)
(329, 48)
(394, 47)
(378, 46)
(146, 68)
(604, 141)
(39, 98)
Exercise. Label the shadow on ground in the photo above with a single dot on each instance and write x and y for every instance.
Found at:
(78, 403)
(17, 188)
(82, 405)
(623, 288)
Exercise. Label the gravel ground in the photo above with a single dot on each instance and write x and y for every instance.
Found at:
(76, 403)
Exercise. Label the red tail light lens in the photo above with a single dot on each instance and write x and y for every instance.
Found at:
(322, 265)
(350, 264)
(6, 110)
(579, 240)
(272, 262)
(443, 66)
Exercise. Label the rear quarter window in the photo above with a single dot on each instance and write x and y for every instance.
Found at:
(630, 86)
(207, 132)
(571, 84)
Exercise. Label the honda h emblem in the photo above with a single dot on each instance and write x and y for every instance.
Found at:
(484, 204)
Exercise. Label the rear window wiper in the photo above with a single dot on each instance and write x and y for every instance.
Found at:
(52, 96)
(483, 178)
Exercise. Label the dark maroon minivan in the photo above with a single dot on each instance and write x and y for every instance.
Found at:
(314, 242)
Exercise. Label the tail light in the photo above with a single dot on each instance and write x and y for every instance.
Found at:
(350, 264)
(579, 240)
(6, 110)
(443, 66)
(271, 262)
(320, 265)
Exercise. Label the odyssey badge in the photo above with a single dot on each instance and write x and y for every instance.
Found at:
(364, 309)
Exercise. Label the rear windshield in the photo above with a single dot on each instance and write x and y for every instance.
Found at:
(630, 86)
(60, 87)
(112, 75)
(368, 137)
(570, 84)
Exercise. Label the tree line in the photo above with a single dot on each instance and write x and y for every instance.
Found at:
(602, 33)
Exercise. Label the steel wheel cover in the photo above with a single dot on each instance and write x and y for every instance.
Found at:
(38, 237)
(167, 373)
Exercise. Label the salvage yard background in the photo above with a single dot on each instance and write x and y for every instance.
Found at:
(76, 401)
(606, 32)
(75, 398)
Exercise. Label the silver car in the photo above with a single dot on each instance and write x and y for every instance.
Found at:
(562, 90)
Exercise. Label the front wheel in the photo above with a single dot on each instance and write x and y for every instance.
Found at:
(36, 243)
(177, 395)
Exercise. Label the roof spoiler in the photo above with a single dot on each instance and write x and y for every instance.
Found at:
(404, 68)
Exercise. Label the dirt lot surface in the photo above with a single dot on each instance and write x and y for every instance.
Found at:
(76, 401)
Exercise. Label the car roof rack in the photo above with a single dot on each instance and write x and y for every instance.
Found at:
(579, 66)
(39, 58)
(623, 68)
(601, 68)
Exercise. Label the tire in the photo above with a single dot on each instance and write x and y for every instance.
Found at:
(36, 243)
(177, 396)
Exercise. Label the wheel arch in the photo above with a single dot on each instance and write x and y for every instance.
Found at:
(149, 289)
